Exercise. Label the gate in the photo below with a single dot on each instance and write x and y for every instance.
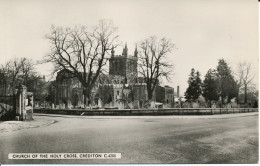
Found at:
(7, 107)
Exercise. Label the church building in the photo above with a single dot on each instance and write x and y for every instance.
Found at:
(121, 85)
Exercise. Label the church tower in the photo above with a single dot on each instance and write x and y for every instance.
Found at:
(124, 65)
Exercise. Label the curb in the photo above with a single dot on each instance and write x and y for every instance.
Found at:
(217, 116)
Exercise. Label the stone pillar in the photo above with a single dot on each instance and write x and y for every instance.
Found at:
(29, 107)
(21, 112)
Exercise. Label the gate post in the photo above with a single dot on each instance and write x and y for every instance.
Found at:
(21, 97)
(29, 107)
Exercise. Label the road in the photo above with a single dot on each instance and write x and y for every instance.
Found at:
(139, 140)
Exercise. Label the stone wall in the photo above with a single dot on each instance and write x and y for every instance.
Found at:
(171, 111)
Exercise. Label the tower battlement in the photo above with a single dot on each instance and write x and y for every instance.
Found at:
(124, 64)
(122, 56)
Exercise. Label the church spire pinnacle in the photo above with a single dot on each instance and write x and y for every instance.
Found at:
(125, 50)
(112, 51)
(136, 52)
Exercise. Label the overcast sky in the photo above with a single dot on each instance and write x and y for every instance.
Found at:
(202, 30)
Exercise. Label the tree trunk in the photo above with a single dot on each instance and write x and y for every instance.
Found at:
(5, 87)
(132, 94)
(245, 99)
(150, 94)
(237, 98)
(13, 87)
(86, 97)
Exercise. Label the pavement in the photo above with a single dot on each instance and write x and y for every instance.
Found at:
(228, 138)
(8, 126)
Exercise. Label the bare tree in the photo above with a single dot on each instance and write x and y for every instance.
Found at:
(12, 69)
(3, 80)
(245, 76)
(16, 71)
(82, 52)
(154, 61)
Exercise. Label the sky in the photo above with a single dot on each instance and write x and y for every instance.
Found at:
(203, 31)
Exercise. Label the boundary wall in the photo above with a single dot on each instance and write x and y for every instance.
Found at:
(134, 112)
